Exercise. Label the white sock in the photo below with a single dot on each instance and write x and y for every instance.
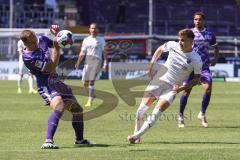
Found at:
(48, 141)
(91, 92)
(19, 81)
(151, 120)
(202, 114)
(140, 115)
(30, 82)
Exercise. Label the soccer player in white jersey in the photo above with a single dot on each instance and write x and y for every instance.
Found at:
(182, 60)
(92, 49)
(23, 70)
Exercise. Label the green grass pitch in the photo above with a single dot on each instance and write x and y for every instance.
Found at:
(23, 122)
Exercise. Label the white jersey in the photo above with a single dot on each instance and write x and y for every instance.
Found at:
(180, 64)
(20, 48)
(93, 46)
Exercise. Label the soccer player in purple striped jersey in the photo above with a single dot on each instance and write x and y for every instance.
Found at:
(203, 41)
(58, 95)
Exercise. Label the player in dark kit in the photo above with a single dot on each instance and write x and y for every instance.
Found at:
(55, 93)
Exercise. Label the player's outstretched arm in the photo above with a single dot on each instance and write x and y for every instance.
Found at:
(51, 66)
(155, 57)
(19, 47)
(80, 58)
(105, 62)
(192, 83)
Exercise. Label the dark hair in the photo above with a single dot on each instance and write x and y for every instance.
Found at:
(186, 32)
(200, 14)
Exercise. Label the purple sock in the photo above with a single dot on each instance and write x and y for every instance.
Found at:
(183, 103)
(205, 101)
(78, 126)
(53, 123)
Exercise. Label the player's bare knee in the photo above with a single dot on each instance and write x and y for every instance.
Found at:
(186, 93)
(148, 97)
(86, 84)
(57, 103)
(148, 100)
(208, 91)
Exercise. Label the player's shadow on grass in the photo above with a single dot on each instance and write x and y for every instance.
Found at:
(224, 127)
(190, 142)
(217, 127)
(139, 150)
(88, 146)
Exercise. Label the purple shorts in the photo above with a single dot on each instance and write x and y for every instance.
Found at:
(206, 77)
(55, 88)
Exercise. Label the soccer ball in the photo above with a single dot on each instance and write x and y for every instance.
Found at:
(64, 39)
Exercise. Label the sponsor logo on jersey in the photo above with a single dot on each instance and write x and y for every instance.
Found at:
(39, 64)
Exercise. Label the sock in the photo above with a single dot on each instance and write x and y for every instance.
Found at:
(183, 103)
(151, 120)
(78, 126)
(52, 124)
(140, 115)
(49, 141)
(91, 92)
(19, 82)
(205, 101)
(30, 82)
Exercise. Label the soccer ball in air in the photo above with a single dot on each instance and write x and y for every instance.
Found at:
(65, 39)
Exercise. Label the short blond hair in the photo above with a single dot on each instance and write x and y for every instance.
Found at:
(186, 32)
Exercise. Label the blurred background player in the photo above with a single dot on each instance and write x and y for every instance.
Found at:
(23, 70)
(203, 41)
(92, 49)
(181, 61)
(58, 95)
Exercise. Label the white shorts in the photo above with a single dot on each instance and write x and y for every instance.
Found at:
(22, 68)
(161, 91)
(91, 68)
